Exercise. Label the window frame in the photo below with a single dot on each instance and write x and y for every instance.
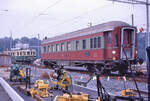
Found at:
(99, 42)
(77, 45)
(116, 40)
(109, 37)
(91, 43)
(62, 46)
(84, 44)
(68, 46)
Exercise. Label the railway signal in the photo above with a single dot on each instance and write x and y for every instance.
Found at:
(141, 29)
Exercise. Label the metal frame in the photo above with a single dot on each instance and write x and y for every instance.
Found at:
(133, 43)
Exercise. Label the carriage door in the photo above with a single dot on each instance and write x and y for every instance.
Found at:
(127, 43)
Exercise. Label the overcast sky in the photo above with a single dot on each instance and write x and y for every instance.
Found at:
(55, 17)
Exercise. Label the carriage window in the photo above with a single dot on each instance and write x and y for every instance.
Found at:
(127, 37)
(68, 46)
(24, 53)
(116, 40)
(28, 53)
(17, 54)
(109, 37)
(57, 48)
(33, 53)
(84, 44)
(91, 43)
(20, 53)
(48, 50)
(95, 42)
(44, 50)
(99, 42)
(77, 45)
(52, 48)
(62, 47)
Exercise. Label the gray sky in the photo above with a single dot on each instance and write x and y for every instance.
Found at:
(55, 17)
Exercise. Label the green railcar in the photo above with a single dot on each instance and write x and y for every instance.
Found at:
(22, 55)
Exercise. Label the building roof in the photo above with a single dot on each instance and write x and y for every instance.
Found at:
(17, 49)
(3, 54)
(108, 26)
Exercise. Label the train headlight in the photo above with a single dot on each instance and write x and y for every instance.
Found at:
(113, 52)
(114, 58)
(136, 52)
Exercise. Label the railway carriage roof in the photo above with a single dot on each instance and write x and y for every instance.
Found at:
(15, 50)
(108, 26)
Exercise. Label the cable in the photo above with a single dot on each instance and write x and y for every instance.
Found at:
(76, 17)
(47, 9)
(35, 17)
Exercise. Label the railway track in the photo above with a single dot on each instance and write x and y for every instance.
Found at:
(138, 76)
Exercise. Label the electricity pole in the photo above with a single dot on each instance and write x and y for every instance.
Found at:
(10, 39)
(90, 24)
(38, 46)
(132, 17)
(147, 17)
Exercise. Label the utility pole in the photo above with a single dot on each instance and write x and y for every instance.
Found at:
(38, 46)
(148, 70)
(132, 17)
(10, 39)
(147, 18)
(90, 24)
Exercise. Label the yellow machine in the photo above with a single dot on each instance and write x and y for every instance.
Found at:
(21, 72)
(17, 72)
(64, 81)
(128, 92)
(40, 88)
(73, 97)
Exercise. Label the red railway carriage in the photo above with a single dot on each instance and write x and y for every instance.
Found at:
(108, 43)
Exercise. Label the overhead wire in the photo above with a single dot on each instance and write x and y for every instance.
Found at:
(47, 8)
(66, 21)
(40, 13)
(74, 18)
